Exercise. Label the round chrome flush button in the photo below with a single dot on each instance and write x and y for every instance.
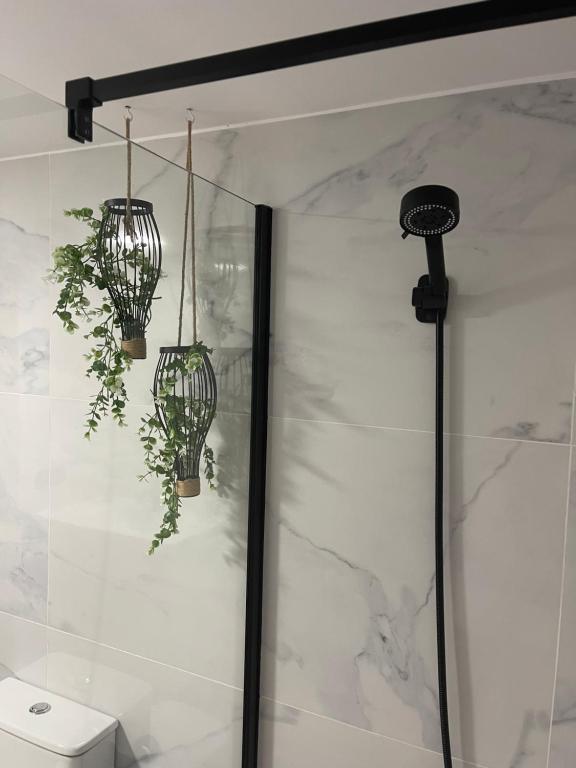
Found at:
(40, 709)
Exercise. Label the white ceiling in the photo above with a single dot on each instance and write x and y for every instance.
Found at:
(42, 44)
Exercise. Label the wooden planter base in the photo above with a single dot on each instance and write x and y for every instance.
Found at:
(136, 348)
(190, 487)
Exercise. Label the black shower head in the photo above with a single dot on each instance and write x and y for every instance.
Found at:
(429, 210)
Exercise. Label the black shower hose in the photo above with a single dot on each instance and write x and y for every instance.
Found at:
(439, 542)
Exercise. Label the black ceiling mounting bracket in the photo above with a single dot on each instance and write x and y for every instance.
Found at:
(80, 100)
(84, 94)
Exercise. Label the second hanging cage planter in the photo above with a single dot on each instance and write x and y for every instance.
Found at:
(186, 402)
(185, 392)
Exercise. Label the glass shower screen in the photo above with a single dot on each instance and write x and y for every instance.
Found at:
(84, 610)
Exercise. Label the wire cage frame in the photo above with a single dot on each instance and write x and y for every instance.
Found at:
(129, 257)
(192, 399)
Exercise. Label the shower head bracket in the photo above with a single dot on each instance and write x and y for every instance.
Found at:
(429, 300)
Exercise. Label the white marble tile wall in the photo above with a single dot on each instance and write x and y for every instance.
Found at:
(351, 575)
(349, 660)
(24, 449)
(511, 155)
(23, 649)
(184, 607)
(24, 249)
(24, 354)
(349, 629)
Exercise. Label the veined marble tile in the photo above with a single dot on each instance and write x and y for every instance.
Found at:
(24, 259)
(343, 320)
(563, 743)
(185, 604)
(508, 151)
(168, 718)
(24, 505)
(347, 346)
(291, 738)
(350, 609)
(22, 650)
(225, 246)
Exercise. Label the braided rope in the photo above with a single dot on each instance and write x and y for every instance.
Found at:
(189, 234)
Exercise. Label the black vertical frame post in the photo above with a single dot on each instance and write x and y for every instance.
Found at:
(257, 484)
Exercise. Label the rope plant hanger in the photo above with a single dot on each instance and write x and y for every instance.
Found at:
(184, 392)
(129, 259)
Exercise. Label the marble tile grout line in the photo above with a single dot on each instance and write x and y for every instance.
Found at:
(49, 457)
(391, 223)
(114, 648)
(419, 431)
(85, 401)
(375, 734)
(351, 424)
(562, 578)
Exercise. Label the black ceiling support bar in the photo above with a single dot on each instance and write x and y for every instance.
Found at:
(257, 485)
(84, 94)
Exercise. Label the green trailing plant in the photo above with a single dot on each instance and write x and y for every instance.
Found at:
(129, 258)
(87, 275)
(174, 438)
(83, 297)
(83, 301)
(167, 439)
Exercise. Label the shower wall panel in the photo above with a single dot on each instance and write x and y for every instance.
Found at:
(24, 407)
(349, 652)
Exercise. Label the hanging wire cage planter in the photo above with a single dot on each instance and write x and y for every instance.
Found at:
(184, 389)
(186, 398)
(129, 257)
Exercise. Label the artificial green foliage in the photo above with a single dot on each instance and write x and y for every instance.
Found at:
(163, 447)
(83, 299)
(76, 272)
